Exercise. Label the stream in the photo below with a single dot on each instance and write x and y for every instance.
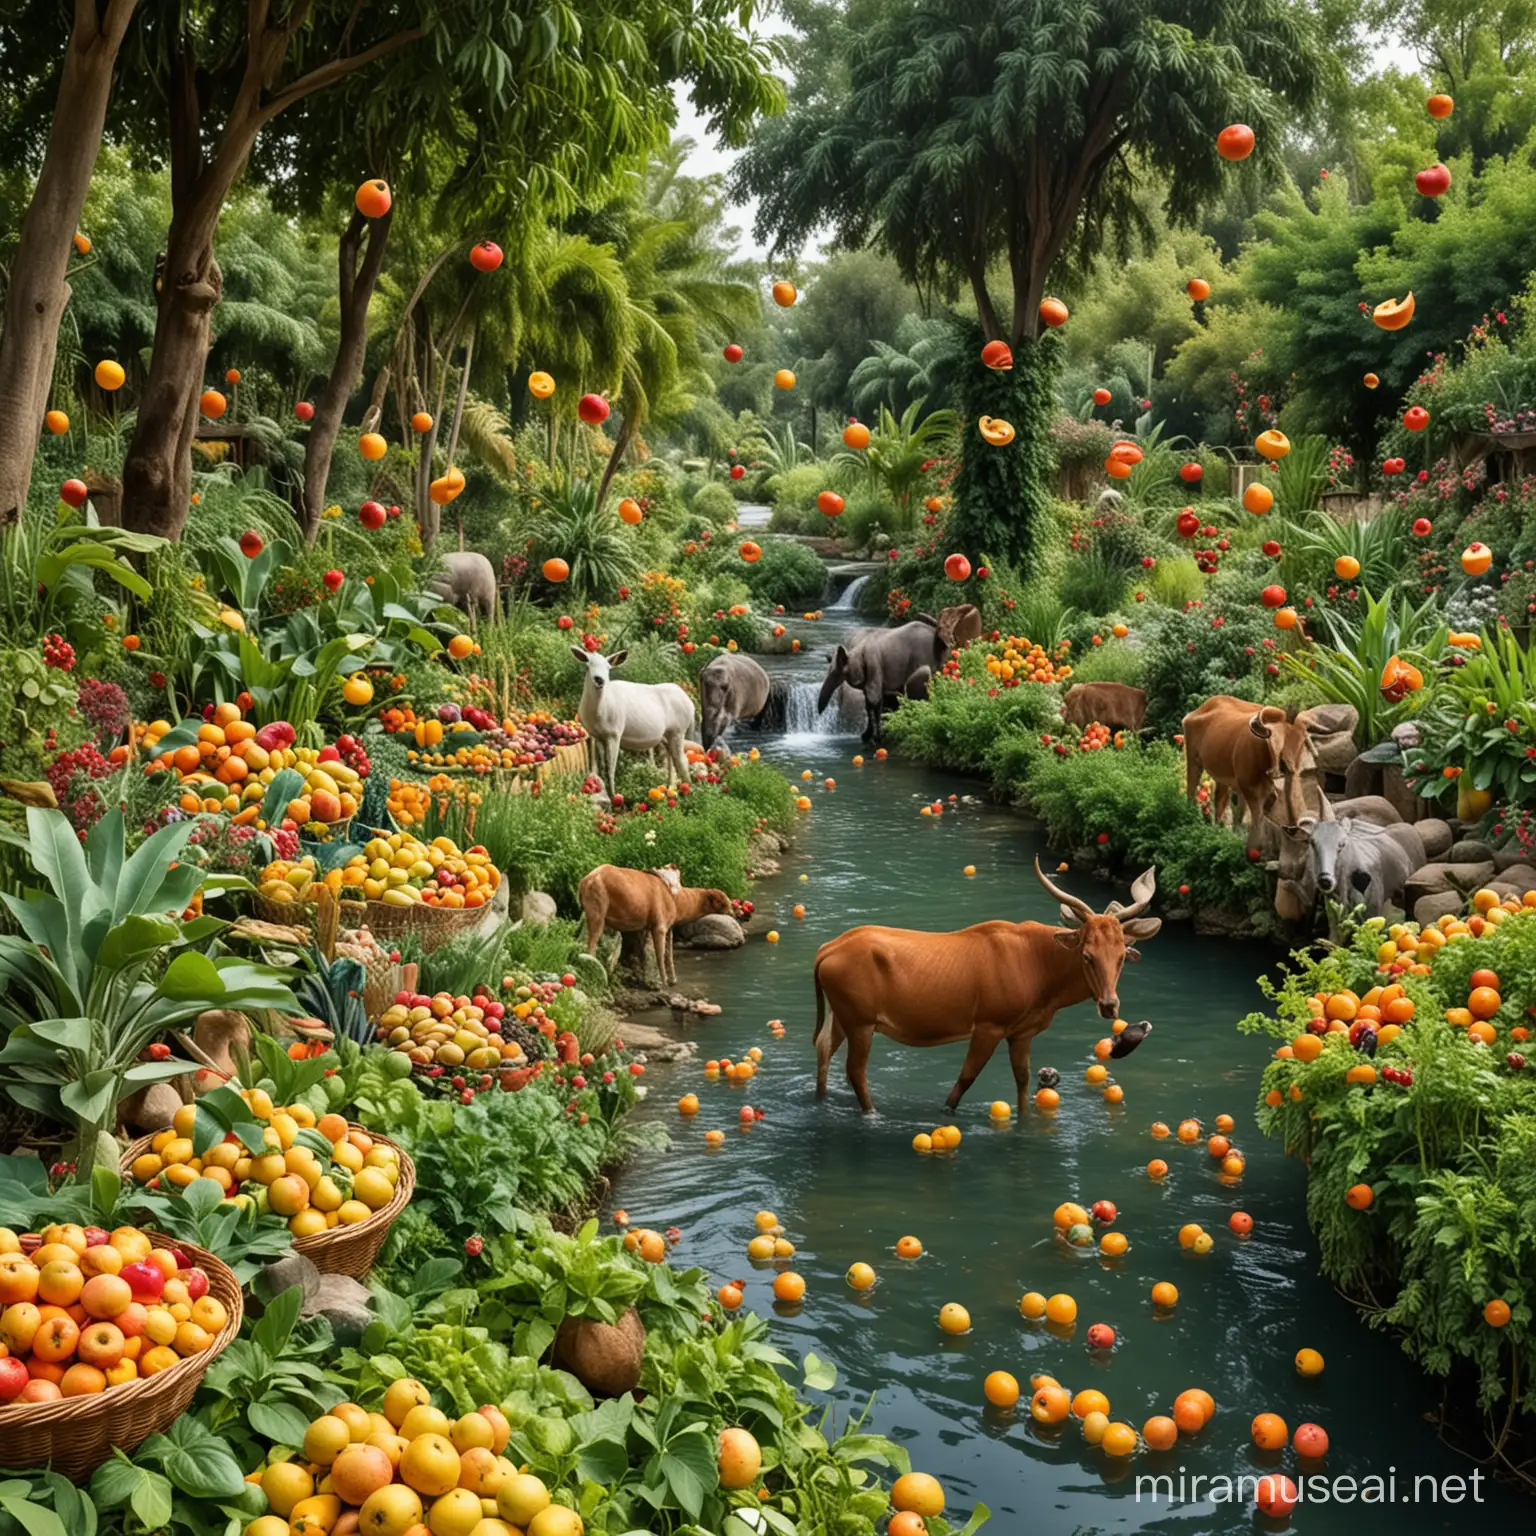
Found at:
(845, 1187)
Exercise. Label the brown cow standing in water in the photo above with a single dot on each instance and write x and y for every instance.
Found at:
(617, 900)
(996, 981)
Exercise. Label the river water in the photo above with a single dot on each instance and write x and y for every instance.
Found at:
(845, 1187)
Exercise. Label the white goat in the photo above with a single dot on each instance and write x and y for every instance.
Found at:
(633, 716)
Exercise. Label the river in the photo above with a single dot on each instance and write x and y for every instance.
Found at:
(845, 1187)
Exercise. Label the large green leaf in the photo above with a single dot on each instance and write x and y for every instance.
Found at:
(135, 939)
(138, 889)
(52, 568)
(286, 785)
(58, 857)
(67, 1034)
(91, 1097)
(191, 977)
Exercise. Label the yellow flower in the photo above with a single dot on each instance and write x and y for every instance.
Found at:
(333, 511)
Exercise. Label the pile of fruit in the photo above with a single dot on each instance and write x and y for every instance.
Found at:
(315, 1173)
(1017, 660)
(409, 1468)
(518, 741)
(232, 763)
(444, 1032)
(89, 1309)
(398, 870)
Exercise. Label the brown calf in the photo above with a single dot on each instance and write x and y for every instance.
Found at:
(993, 982)
(1117, 705)
(619, 900)
(1257, 752)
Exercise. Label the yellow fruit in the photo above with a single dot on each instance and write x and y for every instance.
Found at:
(285, 1483)
(315, 1515)
(392, 1511)
(326, 1438)
(520, 1498)
(557, 1520)
(424, 1419)
(401, 1396)
(430, 1465)
(740, 1458)
(373, 1188)
(455, 1513)
(472, 1430)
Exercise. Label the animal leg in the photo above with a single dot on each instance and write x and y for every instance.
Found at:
(827, 1042)
(1018, 1059)
(984, 1040)
(859, 1040)
(1220, 802)
(659, 937)
(677, 759)
(596, 913)
(612, 746)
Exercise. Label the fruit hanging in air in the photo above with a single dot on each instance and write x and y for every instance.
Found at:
(1393, 314)
(1235, 142)
(1273, 444)
(555, 569)
(1371, 381)
(1476, 558)
(998, 355)
(856, 435)
(1191, 474)
(373, 198)
(1188, 523)
(486, 256)
(73, 493)
(1415, 418)
(784, 293)
(1440, 105)
(109, 375)
(540, 385)
(1258, 499)
(1273, 596)
(750, 552)
(592, 409)
(421, 421)
(1053, 312)
(1126, 452)
(737, 471)
(630, 511)
(304, 411)
(830, 503)
(372, 446)
(56, 422)
(81, 243)
(957, 568)
(732, 353)
(784, 379)
(1399, 678)
(231, 375)
(251, 543)
(1393, 466)
(446, 487)
(371, 515)
(1433, 180)
(212, 404)
(1346, 567)
(1197, 288)
(1102, 396)
(995, 430)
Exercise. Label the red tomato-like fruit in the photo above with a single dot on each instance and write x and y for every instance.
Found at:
(371, 515)
(1271, 548)
(251, 544)
(1434, 181)
(1101, 1336)
(733, 353)
(957, 568)
(1276, 1495)
(333, 580)
(1310, 1440)
(1415, 418)
(1235, 142)
(486, 256)
(592, 409)
(1273, 596)
(1188, 524)
(1191, 474)
(304, 411)
(1422, 527)
(74, 492)
(830, 503)
(737, 471)
(1102, 396)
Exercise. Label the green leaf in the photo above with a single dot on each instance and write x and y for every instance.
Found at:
(119, 1483)
(91, 1097)
(979, 1517)
(67, 1034)
(281, 1423)
(202, 1196)
(819, 1374)
(32, 1518)
(286, 785)
(155, 1071)
(196, 1460)
(688, 1464)
(276, 1326)
(603, 1461)
(106, 1186)
(191, 977)
(135, 938)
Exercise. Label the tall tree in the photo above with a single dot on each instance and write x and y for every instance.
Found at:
(974, 131)
(38, 288)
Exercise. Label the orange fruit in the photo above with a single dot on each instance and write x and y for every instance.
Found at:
(1160, 1433)
(1165, 1294)
(1269, 1432)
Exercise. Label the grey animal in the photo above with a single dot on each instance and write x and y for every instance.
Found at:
(467, 580)
(731, 688)
(881, 664)
(1359, 863)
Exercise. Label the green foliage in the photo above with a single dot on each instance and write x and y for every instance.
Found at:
(1188, 658)
(569, 523)
(787, 573)
(713, 503)
(959, 725)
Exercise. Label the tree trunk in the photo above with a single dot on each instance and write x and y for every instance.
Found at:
(39, 288)
(626, 433)
(358, 277)
(458, 405)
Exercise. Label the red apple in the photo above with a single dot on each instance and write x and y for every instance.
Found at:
(592, 409)
(304, 411)
(485, 257)
(1101, 1336)
(371, 515)
(13, 1378)
(737, 471)
(197, 1283)
(1104, 1210)
(74, 492)
(145, 1280)
(1434, 181)
(565, 621)
(957, 568)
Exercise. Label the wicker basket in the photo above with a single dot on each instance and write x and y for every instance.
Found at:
(341, 1250)
(431, 926)
(289, 914)
(75, 1435)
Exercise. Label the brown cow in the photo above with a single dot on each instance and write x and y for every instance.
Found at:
(1117, 705)
(619, 900)
(1258, 752)
(996, 981)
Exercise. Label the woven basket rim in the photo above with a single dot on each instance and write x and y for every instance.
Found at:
(221, 1278)
(383, 1217)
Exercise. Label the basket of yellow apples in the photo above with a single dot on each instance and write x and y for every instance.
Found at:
(337, 1186)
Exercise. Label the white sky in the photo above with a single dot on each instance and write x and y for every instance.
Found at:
(710, 157)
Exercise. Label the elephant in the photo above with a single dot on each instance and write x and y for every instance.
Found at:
(731, 688)
(468, 581)
(885, 664)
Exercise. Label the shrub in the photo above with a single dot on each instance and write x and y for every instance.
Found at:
(1176, 580)
(1112, 662)
(1189, 657)
(787, 573)
(960, 724)
(1093, 583)
(714, 503)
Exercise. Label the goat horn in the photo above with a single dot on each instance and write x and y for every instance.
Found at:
(1068, 901)
(1142, 890)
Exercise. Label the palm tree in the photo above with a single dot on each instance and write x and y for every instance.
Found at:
(898, 373)
(899, 449)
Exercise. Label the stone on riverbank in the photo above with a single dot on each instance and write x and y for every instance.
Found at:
(1443, 878)
(715, 930)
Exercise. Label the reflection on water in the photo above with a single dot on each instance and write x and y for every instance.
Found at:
(846, 1187)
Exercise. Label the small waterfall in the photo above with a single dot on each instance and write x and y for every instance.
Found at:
(845, 599)
(791, 711)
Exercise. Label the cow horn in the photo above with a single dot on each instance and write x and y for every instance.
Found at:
(1069, 902)
(1142, 890)
(1257, 726)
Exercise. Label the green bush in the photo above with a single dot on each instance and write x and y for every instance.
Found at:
(1093, 583)
(960, 723)
(787, 573)
(1176, 580)
(714, 503)
(1112, 662)
(1190, 657)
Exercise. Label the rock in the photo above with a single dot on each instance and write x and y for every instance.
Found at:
(657, 1046)
(1518, 878)
(1470, 851)
(343, 1303)
(1509, 854)
(1371, 808)
(1331, 728)
(1362, 778)
(295, 1269)
(1446, 879)
(538, 907)
(604, 1357)
(1428, 909)
(1395, 788)
(715, 930)
(1436, 835)
(1223, 922)
(152, 1108)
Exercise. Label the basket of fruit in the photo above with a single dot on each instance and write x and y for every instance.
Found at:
(338, 1186)
(466, 1044)
(70, 1391)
